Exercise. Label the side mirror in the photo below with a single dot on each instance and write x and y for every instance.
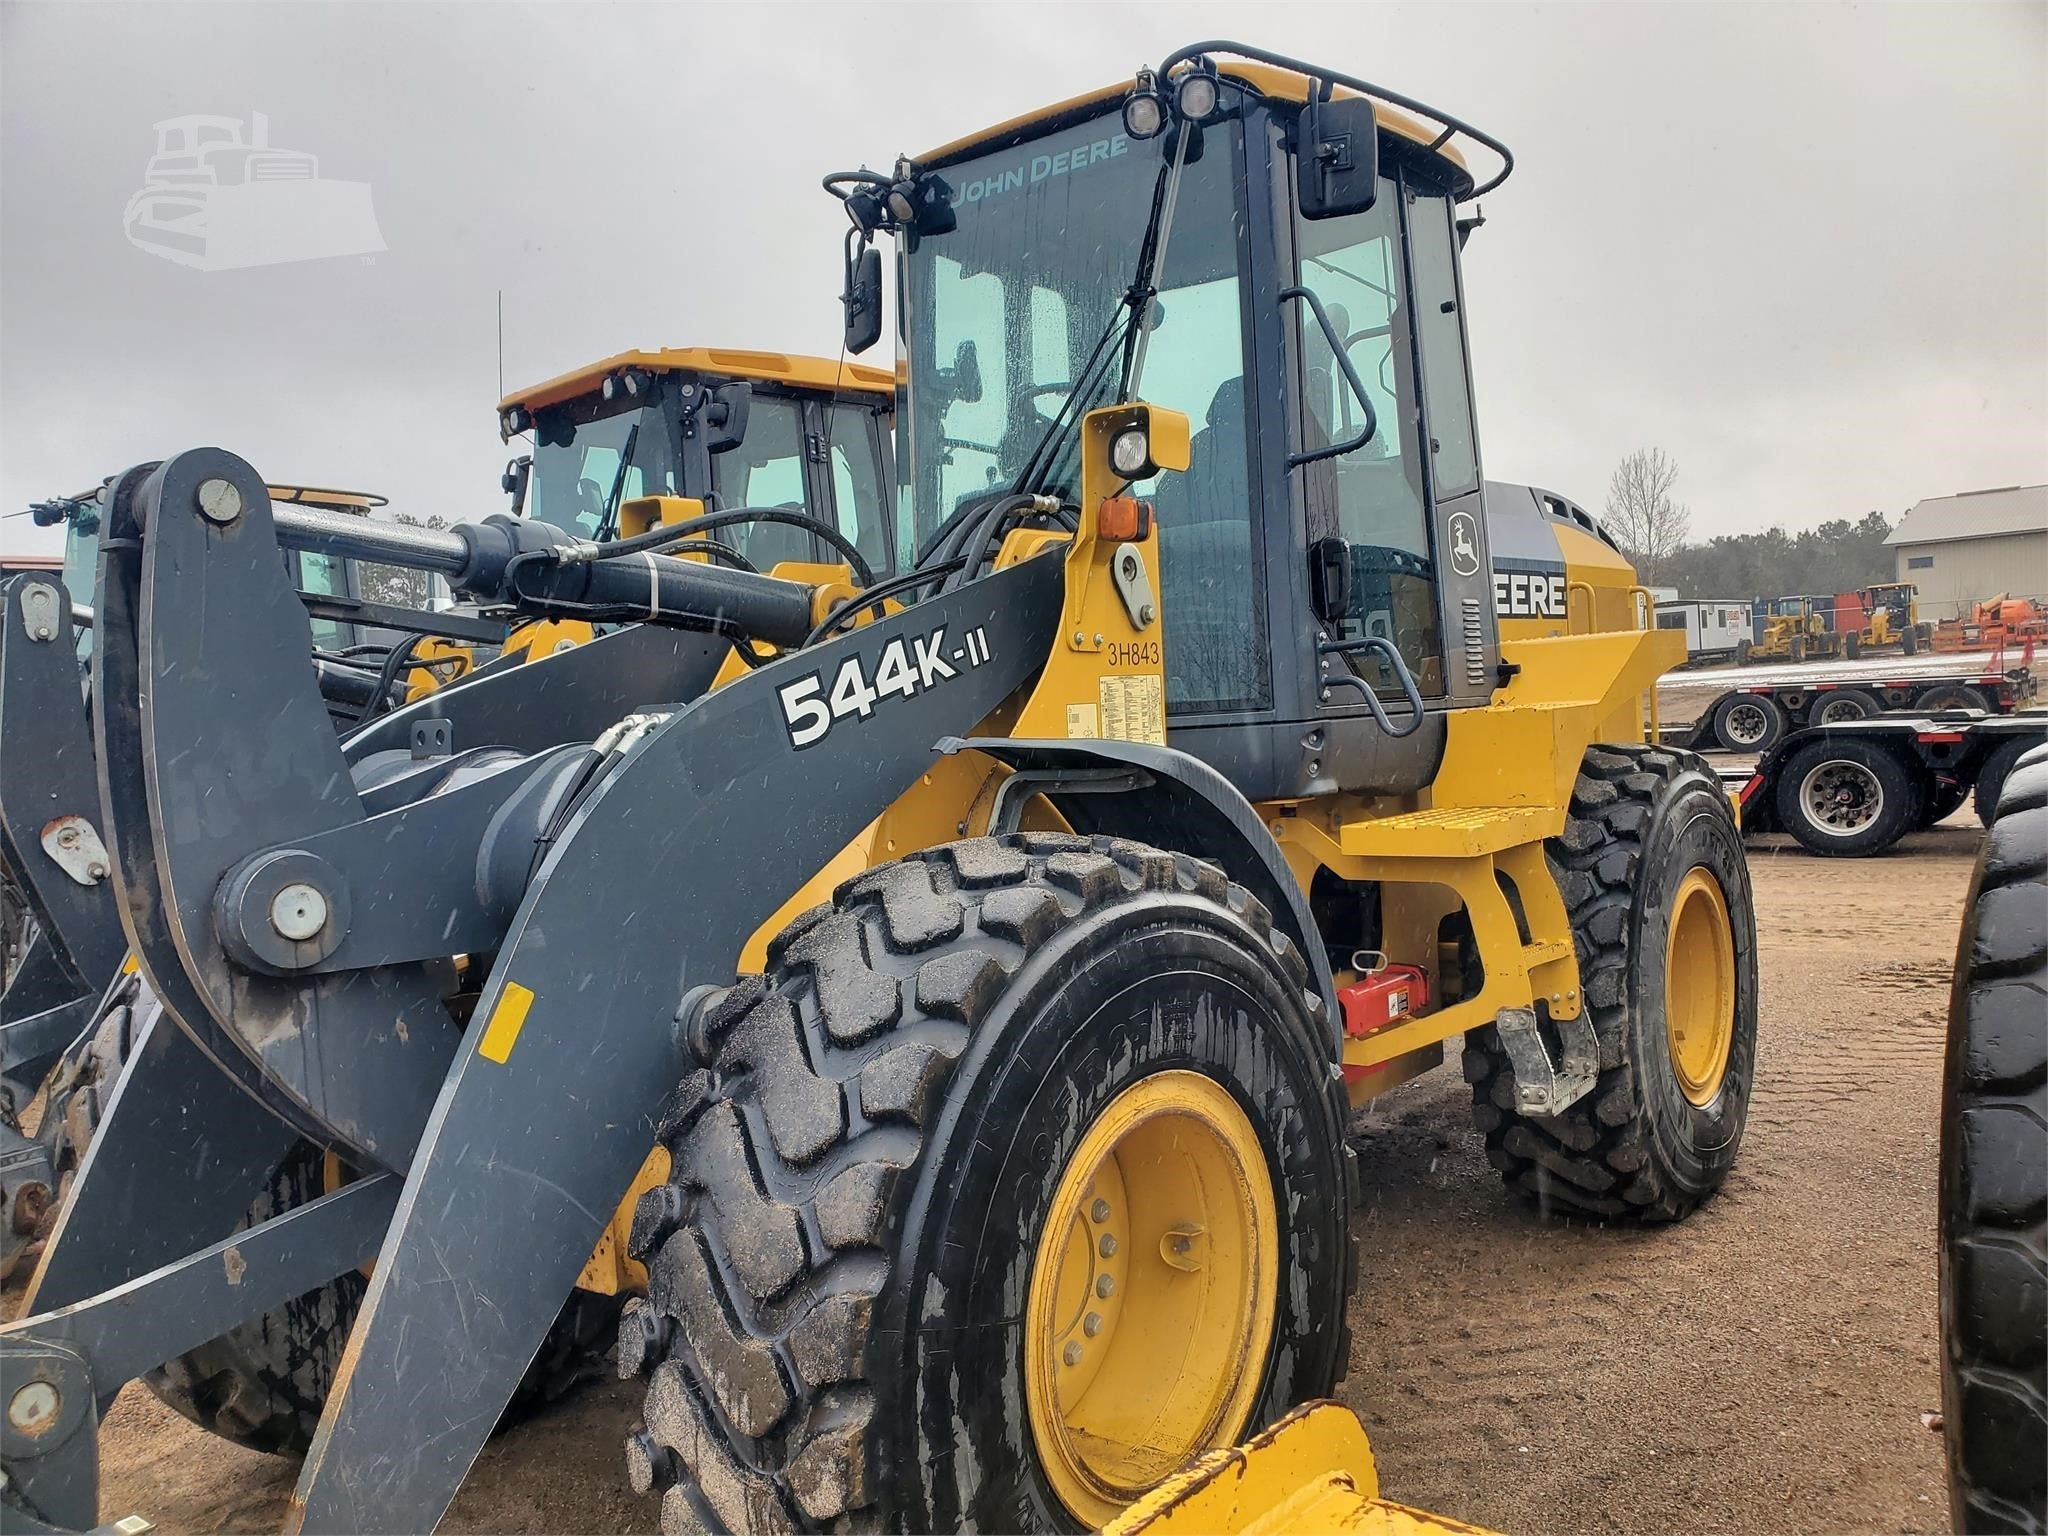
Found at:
(514, 481)
(1337, 163)
(962, 382)
(725, 414)
(863, 298)
(1329, 579)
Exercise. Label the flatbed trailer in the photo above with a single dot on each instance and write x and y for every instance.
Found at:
(1760, 706)
(1854, 789)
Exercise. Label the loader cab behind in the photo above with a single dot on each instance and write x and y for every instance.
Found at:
(728, 428)
(1334, 492)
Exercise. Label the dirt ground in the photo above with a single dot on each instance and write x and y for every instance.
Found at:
(1763, 1367)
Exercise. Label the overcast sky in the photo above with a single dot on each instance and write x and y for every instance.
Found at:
(1803, 248)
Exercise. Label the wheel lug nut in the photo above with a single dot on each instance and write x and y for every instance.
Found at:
(1107, 1247)
(1104, 1286)
(1099, 1211)
(1092, 1324)
(1072, 1353)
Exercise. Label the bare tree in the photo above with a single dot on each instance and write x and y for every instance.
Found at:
(1641, 516)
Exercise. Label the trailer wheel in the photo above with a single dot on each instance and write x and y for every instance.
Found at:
(1991, 777)
(1994, 1182)
(1015, 1135)
(1952, 696)
(1652, 870)
(1843, 704)
(1847, 798)
(1748, 722)
(262, 1385)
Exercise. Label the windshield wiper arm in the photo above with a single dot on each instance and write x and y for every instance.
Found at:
(610, 522)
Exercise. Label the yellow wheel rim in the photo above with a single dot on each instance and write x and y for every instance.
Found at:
(1699, 986)
(1153, 1293)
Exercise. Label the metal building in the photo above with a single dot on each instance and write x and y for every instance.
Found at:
(1959, 550)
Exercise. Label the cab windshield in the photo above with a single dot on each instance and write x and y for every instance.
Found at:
(576, 459)
(1002, 313)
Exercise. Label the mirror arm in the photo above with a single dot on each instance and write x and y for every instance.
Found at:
(1371, 426)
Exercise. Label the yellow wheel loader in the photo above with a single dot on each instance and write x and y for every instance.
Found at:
(936, 1000)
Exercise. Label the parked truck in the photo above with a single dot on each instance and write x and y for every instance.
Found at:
(1760, 709)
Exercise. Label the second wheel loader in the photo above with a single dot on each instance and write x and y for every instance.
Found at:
(935, 1000)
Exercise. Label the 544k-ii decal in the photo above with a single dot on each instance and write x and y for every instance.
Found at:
(906, 667)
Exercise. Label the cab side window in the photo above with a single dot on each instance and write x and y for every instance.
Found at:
(857, 505)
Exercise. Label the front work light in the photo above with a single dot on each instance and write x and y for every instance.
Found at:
(1144, 108)
(1194, 97)
(1130, 452)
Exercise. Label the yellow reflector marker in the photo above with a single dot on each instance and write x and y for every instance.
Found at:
(507, 1019)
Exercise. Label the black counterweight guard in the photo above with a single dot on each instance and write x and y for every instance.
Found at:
(699, 831)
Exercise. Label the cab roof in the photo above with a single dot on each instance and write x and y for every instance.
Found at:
(793, 369)
(1265, 79)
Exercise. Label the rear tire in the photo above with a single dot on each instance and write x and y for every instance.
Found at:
(1994, 1183)
(872, 1140)
(1939, 800)
(1991, 777)
(1909, 640)
(1748, 722)
(1847, 799)
(1852, 647)
(1796, 651)
(1640, 1146)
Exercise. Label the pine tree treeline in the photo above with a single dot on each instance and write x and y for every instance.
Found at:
(1836, 556)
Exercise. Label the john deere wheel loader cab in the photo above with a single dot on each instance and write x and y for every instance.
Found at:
(1076, 882)
(726, 427)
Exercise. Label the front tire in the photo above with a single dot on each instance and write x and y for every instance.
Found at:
(896, 1143)
(1994, 1182)
(1998, 763)
(1652, 871)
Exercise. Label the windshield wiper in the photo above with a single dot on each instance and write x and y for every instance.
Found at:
(610, 521)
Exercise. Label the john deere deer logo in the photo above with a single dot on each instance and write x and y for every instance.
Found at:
(215, 197)
(1464, 544)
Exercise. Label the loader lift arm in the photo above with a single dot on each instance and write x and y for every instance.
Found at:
(560, 1035)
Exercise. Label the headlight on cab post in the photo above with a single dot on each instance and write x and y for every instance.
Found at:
(1130, 453)
(1145, 108)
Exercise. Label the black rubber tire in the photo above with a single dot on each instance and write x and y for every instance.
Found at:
(1998, 762)
(1634, 1148)
(1909, 640)
(1795, 651)
(1994, 1179)
(262, 1385)
(864, 1148)
(1952, 696)
(1852, 646)
(1899, 799)
(1840, 704)
(1742, 650)
(1729, 721)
